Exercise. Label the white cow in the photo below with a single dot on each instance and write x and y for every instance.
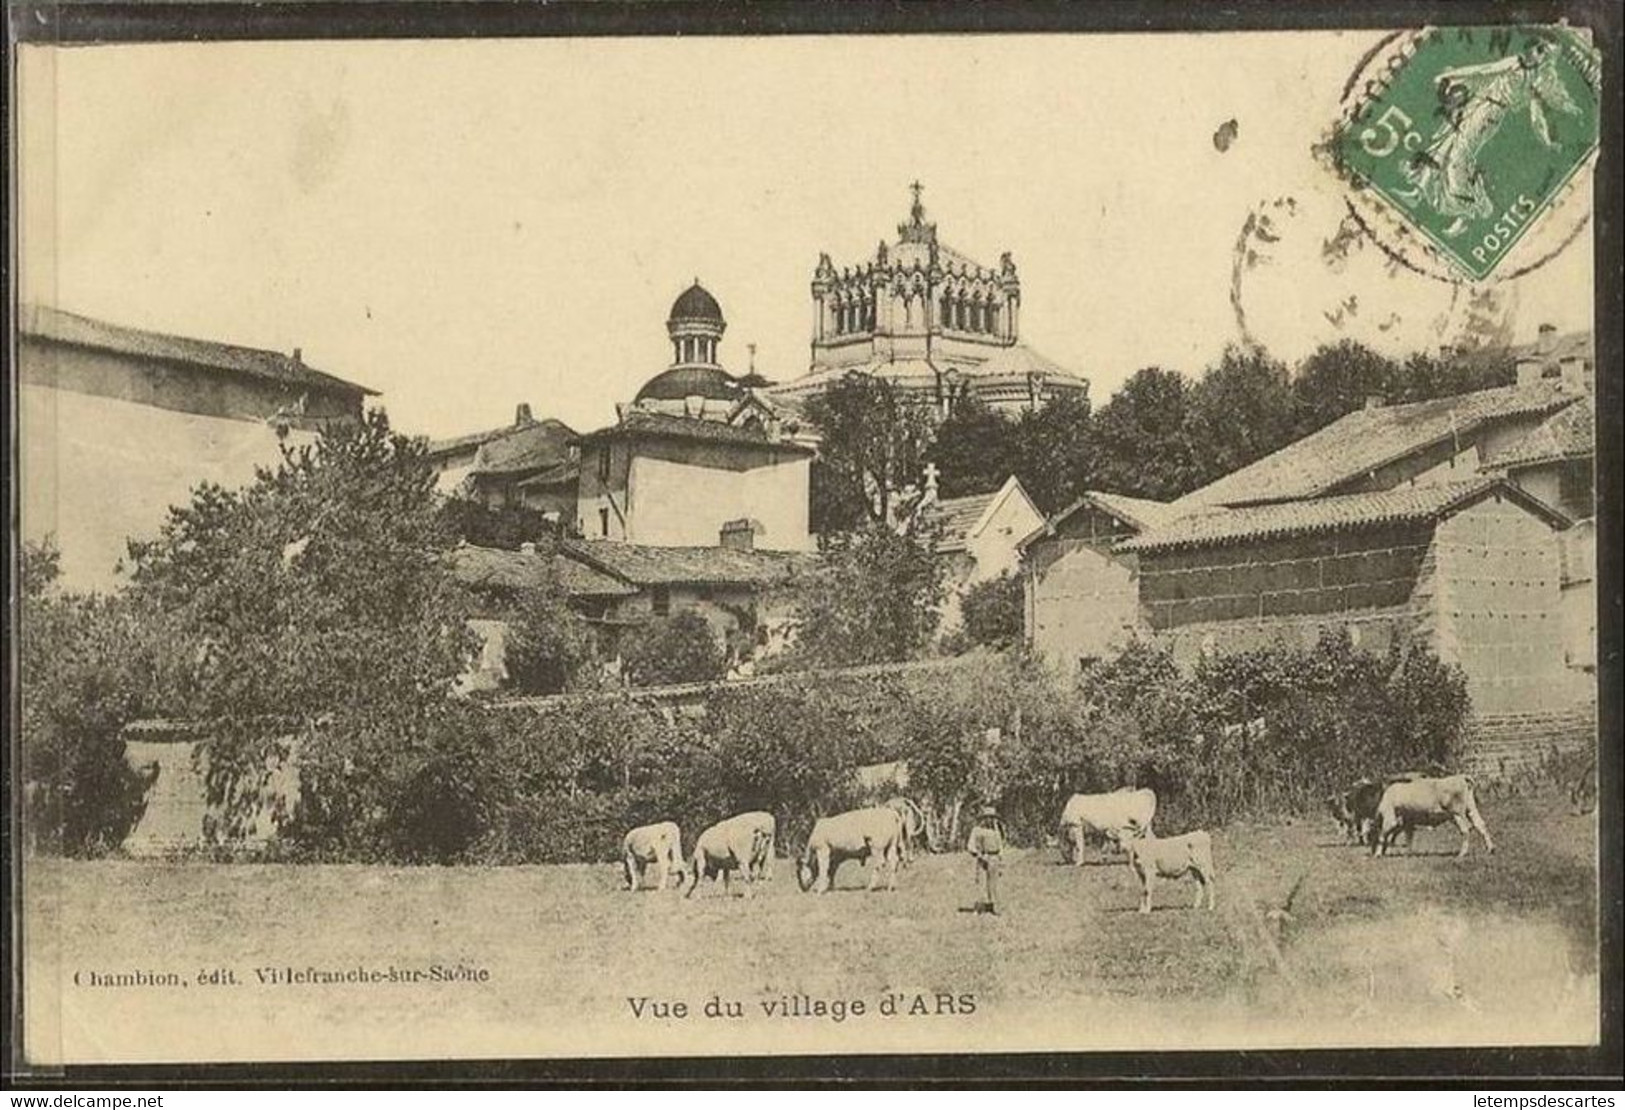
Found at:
(873, 836)
(728, 846)
(1170, 858)
(1120, 815)
(661, 845)
(1423, 803)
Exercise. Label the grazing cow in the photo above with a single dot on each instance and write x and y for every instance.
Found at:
(659, 844)
(1425, 802)
(1120, 815)
(873, 836)
(1152, 858)
(913, 825)
(1355, 809)
(735, 844)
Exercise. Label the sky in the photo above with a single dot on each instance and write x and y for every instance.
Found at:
(466, 225)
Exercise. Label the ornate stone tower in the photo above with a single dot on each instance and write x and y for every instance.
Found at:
(915, 299)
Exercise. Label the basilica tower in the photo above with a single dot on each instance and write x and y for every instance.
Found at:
(929, 320)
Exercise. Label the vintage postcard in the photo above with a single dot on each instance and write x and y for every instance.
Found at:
(706, 546)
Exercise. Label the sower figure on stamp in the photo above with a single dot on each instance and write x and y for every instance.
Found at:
(985, 845)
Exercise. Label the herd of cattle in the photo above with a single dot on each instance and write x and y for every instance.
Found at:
(1374, 813)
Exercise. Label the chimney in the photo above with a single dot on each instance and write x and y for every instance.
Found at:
(1529, 369)
(1447, 352)
(739, 535)
(522, 416)
(1547, 343)
(527, 548)
(1374, 400)
(298, 355)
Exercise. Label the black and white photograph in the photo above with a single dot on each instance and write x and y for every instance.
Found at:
(576, 546)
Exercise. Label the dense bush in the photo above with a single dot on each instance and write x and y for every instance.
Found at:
(87, 667)
(992, 611)
(550, 646)
(507, 527)
(565, 782)
(873, 599)
(674, 649)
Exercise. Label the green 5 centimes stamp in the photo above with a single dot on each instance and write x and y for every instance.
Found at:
(1471, 134)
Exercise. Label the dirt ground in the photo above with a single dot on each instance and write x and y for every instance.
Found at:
(559, 960)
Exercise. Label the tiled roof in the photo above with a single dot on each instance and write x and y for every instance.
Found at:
(1569, 433)
(1007, 365)
(42, 322)
(1369, 438)
(1018, 363)
(956, 516)
(1217, 526)
(497, 568)
(684, 427)
(512, 447)
(1139, 512)
(666, 566)
(543, 444)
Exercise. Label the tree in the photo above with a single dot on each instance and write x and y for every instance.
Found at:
(976, 449)
(320, 608)
(873, 599)
(1143, 437)
(1057, 451)
(668, 650)
(1240, 411)
(1427, 376)
(874, 444)
(1336, 380)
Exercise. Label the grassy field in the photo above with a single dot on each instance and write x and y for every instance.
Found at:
(1410, 950)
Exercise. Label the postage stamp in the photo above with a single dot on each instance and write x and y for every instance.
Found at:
(1472, 134)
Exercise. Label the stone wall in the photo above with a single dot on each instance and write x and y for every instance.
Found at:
(1494, 596)
(177, 802)
(1506, 744)
(1323, 574)
(1081, 602)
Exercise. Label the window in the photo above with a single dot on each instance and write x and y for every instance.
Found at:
(603, 464)
(661, 600)
(603, 522)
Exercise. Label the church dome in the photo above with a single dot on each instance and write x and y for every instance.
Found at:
(680, 382)
(694, 303)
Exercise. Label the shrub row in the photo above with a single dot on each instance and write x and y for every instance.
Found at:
(1260, 733)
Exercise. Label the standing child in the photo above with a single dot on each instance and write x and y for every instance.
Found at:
(985, 845)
